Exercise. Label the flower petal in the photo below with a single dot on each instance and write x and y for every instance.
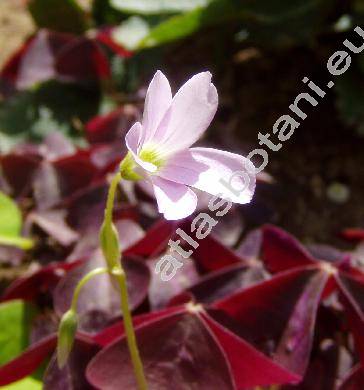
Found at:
(157, 102)
(175, 201)
(133, 140)
(192, 110)
(213, 171)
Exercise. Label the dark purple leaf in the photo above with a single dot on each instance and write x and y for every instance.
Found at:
(74, 172)
(56, 145)
(99, 300)
(295, 343)
(177, 352)
(326, 253)
(54, 55)
(36, 60)
(288, 303)
(18, 171)
(155, 239)
(112, 126)
(86, 208)
(43, 325)
(72, 376)
(251, 246)
(323, 370)
(211, 255)
(281, 251)
(53, 223)
(219, 284)
(45, 185)
(229, 228)
(249, 367)
(354, 380)
(81, 60)
(199, 352)
(10, 71)
(352, 294)
(107, 157)
(160, 292)
(28, 361)
(129, 233)
(354, 234)
(39, 282)
(116, 331)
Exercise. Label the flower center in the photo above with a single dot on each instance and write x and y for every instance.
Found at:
(151, 156)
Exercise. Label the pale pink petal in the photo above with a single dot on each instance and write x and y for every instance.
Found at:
(157, 102)
(175, 201)
(211, 170)
(192, 110)
(133, 141)
(133, 138)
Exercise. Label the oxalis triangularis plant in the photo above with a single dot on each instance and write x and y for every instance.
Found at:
(161, 158)
(238, 324)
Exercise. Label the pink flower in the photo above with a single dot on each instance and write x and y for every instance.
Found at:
(160, 150)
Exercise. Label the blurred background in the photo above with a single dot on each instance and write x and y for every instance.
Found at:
(66, 61)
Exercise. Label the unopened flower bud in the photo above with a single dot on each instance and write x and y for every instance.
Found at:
(109, 241)
(66, 335)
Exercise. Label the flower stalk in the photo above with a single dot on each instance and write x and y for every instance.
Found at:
(82, 282)
(111, 249)
(112, 252)
(69, 321)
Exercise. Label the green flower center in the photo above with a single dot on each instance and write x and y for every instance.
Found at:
(151, 156)
(130, 170)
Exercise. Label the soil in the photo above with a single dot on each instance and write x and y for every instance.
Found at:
(15, 26)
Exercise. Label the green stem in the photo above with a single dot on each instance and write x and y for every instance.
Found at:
(129, 330)
(116, 269)
(20, 242)
(111, 198)
(82, 282)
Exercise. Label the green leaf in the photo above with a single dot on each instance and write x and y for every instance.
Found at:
(152, 7)
(350, 98)
(275, 11)
(266, 19)
(59, 15)
(131, 32)
(11, 223)
(180, 26)
(15, 321)
(27, 383)
(10, 217)
(104, 14)
(17, 113)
